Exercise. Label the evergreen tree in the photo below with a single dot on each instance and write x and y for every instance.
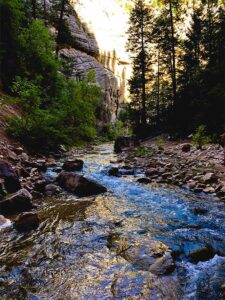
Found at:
(138, 46)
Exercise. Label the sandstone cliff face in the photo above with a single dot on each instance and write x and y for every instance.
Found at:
(84, 63)
(99, 44)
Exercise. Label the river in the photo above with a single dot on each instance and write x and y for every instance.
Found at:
(83, 247)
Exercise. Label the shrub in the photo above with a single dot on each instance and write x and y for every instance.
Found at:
(200, 138)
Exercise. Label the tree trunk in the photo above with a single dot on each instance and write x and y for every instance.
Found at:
(174, 76)
(34, 9)
(45, 11)
(158, 89)
(143, 67)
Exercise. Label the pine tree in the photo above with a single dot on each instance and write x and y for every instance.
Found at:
(138, 46)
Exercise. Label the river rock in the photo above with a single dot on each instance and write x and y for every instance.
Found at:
(40, 185)
(147, 255)
(4, 223)
(52, 189)
(186, 147)
(51, 162)
(151, 172)
(114, 172)
(209, 190)
(123, 142)
(144, 180)
(73, 165)
(209, 178)
(79, 185)
(11, 180)
(18, 202)
(198, 252)
(27, 221)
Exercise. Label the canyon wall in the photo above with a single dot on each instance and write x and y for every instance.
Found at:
(98, 28)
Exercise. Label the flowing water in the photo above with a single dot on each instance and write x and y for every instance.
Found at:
(72, 255)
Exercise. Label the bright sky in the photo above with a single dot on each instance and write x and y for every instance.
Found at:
(108, 20)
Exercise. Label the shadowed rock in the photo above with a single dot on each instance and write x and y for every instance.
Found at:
(11, 180)
(27, 221)
(79, 185)
(18, 202)
(73, 165)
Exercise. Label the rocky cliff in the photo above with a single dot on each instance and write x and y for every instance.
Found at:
(98, 33)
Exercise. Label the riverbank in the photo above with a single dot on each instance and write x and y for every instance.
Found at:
(179, 164)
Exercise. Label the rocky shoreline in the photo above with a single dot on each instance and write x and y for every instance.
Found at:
(23, 178)
(178, 164)
(24, 181)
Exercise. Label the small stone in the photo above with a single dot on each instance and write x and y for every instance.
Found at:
(114, 172)
(52, 189)
(209, 190)
(144, 180)
(151, 171)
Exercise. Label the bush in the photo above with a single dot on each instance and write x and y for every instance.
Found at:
(69, 120)
(200, 138)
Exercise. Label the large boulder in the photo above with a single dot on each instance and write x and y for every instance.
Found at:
(18, 202)
(73, 165)
(11, 180)
(27, 221)
(124, 142)
(79, 185)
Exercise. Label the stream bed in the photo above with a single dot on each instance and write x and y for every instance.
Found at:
(98, 247)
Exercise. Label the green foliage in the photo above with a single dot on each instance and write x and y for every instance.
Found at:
(69, 120)
(200, 138)
(159, 142)
(143, 151)
(112, 131)
(56, 110)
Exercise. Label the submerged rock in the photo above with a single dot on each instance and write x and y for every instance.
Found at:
(73, 165)
(27, 221)
(18, 202)
(79, 185)
(147, 255)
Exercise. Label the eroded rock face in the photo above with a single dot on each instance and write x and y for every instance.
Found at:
(84, 63)
(83, 39)
(79, 185)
